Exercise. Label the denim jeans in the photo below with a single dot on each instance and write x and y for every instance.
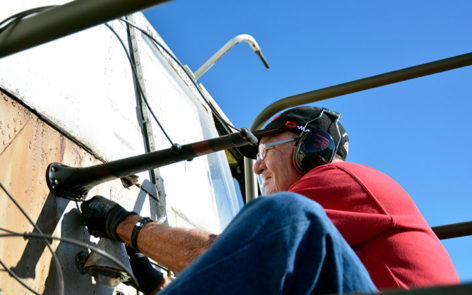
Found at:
(279, 244)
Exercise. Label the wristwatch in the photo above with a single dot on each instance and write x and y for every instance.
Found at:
(137, 228)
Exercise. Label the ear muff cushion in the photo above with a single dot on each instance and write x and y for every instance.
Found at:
(314, 148)
(295, 164)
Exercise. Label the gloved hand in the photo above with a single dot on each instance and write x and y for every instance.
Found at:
(102, 217)
(148, 277)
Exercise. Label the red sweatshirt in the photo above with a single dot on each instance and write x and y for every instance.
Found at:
(380, 221)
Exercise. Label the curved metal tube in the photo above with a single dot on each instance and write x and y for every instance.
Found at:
(222, 51)
(346, 88)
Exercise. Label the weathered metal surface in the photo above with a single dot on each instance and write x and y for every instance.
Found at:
(83, 83)
(28, 145)
(144, 118)
(83, 86)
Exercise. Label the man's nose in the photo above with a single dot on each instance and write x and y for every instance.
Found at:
(258, 169)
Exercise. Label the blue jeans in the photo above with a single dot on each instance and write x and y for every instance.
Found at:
(280, 244)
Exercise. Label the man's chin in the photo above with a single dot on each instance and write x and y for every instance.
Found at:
(269, 191)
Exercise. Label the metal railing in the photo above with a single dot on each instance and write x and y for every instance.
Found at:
(463, 289)
(454, 230)
(346, 88)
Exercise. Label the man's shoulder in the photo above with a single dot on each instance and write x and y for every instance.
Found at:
(342, 166)
(329, 173)
(348, 186)
(345, 172)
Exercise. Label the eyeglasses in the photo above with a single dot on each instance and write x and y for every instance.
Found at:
(263, 147)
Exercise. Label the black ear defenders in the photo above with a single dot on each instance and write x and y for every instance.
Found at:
(313, 149)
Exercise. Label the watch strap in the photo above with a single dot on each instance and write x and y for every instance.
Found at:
(137, 228)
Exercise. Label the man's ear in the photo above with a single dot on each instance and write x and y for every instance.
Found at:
(346, 147)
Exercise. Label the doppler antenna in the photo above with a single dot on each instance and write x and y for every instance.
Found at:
(238, 39)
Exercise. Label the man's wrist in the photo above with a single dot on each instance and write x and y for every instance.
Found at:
(137, 229)
(125, 228)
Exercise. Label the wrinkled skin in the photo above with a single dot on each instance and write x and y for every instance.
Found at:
(276, 170)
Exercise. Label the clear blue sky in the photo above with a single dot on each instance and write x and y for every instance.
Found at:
(415, 131)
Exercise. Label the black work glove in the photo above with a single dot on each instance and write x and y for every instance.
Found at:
(148, 277)
(102, 217)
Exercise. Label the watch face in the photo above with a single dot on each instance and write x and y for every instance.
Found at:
(143, 221)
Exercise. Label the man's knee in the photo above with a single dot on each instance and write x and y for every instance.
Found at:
(286, 207)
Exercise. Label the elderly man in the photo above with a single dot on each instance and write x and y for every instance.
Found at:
(285, 243)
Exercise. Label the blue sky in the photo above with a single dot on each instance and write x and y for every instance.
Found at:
(416, 131)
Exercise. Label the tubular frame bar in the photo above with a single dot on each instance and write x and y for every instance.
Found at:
(454, 230)
(75, 182)
(458, 289)
(346, 88)
(66, 19)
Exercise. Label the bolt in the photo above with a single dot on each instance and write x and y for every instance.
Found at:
(176, 148)
(80, 259)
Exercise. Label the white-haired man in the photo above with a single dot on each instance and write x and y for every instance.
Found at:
(285, 243)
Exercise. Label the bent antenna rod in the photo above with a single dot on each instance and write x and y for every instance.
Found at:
(222, 51)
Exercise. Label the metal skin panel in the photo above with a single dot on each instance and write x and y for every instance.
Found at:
(27, 146)
(83, 85)
(200, 193)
